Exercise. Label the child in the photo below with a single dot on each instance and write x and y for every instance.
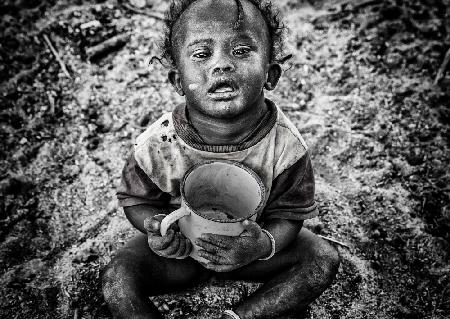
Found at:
(223, 56)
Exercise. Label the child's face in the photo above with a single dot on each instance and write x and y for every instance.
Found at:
(222, 70)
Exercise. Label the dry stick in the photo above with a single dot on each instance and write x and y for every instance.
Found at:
(56, 54)
(107, 46)
(365, 4)
(345, 11)
(334, 241)
(143, 12)
(51, 100)
(353, 7)
(443, 67)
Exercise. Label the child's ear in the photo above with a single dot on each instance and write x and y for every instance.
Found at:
(273, 75)
(175, 80)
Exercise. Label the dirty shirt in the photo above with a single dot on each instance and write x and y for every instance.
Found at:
(274, 150)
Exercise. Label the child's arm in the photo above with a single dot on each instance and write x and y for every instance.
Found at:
(138, 213)
(145, 205)
(284, 231)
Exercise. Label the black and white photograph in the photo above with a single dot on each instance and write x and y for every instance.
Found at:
(225, 159)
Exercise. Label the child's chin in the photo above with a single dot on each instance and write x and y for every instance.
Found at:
(225, 109)
(226, 114)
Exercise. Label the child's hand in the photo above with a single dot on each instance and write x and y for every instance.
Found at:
(173, 245)
(227, 253)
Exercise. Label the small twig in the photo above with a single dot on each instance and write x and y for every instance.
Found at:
(443, 67)
(121, 126)
(90, 24)
(346, 9)
(329, 17)
(107, 46)
(57, 56)
(365, 4)
(76, 314)
(143, 12)
(334, 241)
(51, 100)
(423, 205)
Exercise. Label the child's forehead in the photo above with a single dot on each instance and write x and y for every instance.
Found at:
(222, 10)
(208, 16)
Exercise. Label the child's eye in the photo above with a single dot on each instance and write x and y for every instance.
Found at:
(200, 54)
(242, 50)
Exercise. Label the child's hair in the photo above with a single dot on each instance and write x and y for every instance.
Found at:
(269, 13)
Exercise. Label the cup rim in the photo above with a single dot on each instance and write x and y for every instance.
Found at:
(230, 162)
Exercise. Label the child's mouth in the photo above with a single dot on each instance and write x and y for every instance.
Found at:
(222, 90)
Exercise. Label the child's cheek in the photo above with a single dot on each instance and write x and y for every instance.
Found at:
(193, 86)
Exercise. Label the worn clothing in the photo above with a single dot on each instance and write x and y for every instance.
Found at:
(274, 149)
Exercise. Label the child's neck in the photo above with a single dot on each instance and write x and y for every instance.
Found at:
(215, 131)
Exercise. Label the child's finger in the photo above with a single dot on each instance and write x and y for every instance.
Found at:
(157, 242)
(172, 248)
(181, 247)
(217, 259)
(210, 265)
(209, 247)
(224, 268)
(218, 267)
(151, 225)
(187, 250)
(189, 247)
(217, 240)
(251, 228)
(184, 246)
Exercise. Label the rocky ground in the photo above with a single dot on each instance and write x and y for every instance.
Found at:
(361, 87)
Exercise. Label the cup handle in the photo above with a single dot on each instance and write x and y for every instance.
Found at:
(172, 218)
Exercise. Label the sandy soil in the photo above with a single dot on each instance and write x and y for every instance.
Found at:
(359, 87)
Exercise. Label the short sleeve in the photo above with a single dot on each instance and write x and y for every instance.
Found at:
(292, 193)
(137, 188)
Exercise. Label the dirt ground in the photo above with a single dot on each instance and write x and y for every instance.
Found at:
(360, 86)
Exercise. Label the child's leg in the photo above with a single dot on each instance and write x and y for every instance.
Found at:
(293, 278)
(136, 273)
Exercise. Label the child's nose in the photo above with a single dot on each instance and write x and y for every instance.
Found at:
(222, 64)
